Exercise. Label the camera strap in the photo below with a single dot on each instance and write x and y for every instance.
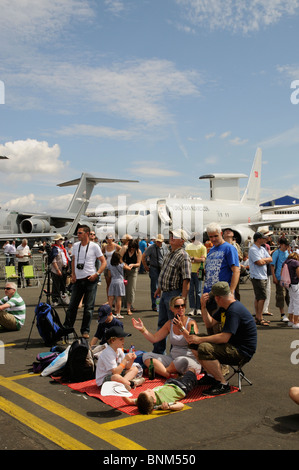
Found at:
(85, 252)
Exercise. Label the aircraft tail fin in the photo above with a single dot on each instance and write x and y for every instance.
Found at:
(85, 185)
(251, 195)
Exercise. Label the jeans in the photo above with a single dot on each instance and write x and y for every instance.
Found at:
(154, 275)
(194, 292)
(165, 314)
(82, 287)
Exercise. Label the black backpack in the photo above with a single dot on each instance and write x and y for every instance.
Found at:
(48, 324)
(80, 365)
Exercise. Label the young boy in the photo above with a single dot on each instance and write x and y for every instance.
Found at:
(106, 320)
(114, 365)
(165, 397)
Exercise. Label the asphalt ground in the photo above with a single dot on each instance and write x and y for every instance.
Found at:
(37, 413)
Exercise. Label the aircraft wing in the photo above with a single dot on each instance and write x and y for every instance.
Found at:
(260, 223)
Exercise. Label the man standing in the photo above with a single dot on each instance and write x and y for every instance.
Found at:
(12, 308)
(198, 253)
(174, 279)
(278, 258)
(222, 263)
(236, 343)
(59, 267)
(84, 279)
(258, 260)
(154, 256)
(23, 254)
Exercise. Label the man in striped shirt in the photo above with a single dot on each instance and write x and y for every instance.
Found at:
(12, 308)
(174, 279)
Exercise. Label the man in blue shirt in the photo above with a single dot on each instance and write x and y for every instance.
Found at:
(278, 258)
(236, 343)
(258, 260)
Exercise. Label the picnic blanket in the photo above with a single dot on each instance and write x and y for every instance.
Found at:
(91, 389)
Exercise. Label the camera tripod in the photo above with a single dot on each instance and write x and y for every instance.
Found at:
(63, 332)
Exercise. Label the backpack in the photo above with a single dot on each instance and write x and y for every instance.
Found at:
(285, 279)
(48, 324)
(80, 365)
(42, 361)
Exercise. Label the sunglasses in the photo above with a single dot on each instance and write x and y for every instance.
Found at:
(8, 288)
(180, 306)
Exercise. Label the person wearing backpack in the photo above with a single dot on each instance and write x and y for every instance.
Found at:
(278, 258)
(292, 263)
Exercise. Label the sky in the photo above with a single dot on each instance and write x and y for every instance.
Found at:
(159, 91)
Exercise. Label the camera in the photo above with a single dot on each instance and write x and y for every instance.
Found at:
(80, 265)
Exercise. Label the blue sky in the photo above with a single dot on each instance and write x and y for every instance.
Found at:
(162, 91)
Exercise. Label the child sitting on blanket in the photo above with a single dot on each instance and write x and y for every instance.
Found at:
(114, 365)
(165, 397)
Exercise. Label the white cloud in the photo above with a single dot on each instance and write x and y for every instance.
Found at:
(224, 135)
(40, 21)
(238, 141)
(97, 131)
(30, 157)
(115, 6)
(154, 169)
(136, 90)
(237, 15)
(22, 203)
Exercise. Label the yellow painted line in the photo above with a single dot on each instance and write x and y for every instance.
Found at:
(22, 376)
(92, 427)
(50, 432)
(7, 345)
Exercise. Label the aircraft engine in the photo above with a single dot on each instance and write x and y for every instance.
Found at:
(34, 225)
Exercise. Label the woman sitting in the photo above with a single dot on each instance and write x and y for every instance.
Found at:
(180, 357)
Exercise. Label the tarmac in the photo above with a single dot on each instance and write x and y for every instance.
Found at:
(37, 413)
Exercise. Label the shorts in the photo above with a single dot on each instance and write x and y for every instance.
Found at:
(225, 353)
(259, 288)
(281, 296)
(186, 383)
(294, 299)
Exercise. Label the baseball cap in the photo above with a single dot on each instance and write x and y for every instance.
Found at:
(258, 235)
(220, 288)
(117, 332)
(104, 311)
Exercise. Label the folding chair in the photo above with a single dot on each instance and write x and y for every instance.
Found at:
(29, 274)
(10, 273)
(237, 369)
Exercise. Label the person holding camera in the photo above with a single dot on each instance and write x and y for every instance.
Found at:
(85, 278)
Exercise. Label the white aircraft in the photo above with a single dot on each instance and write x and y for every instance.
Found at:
(15, 224)
(243, 215)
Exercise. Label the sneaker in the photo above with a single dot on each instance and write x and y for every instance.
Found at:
(198, 311)
(192, 313)
(218, 389)
(284, 318)
(290, 323)
(118, 315)
(295, 325)
(139, 381)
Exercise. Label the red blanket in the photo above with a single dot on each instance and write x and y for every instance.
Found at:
(91, 389)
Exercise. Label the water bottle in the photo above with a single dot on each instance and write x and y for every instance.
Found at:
(151, 370)
(157, 303)
(132, 348)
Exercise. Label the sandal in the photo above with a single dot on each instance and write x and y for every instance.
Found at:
(129, 312)
(262, 322)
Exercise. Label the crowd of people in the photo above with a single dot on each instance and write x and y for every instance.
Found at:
(183, 271)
